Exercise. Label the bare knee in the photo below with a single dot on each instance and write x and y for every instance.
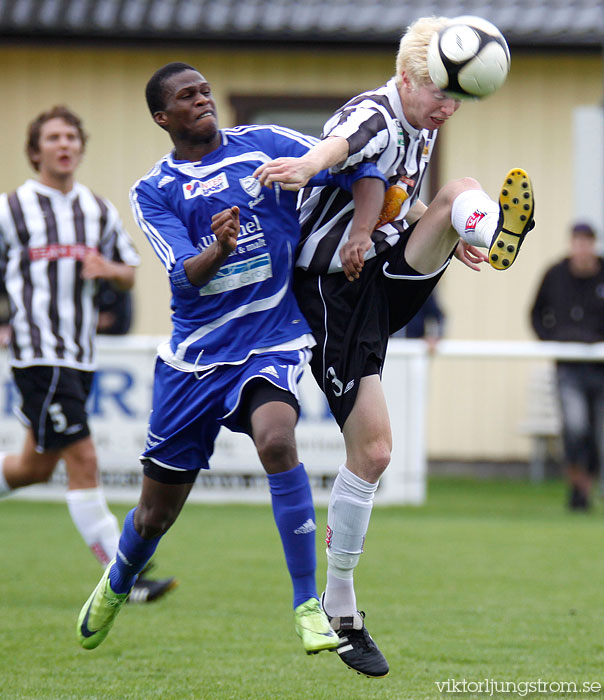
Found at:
(447, 193)
(276, 448)
(154, 520)
(158, 507)
(371, 461)
(81, 465)
(38, 472)
(378, 459)
(27, 469)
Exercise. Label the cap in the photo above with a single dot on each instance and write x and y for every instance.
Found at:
(583, 229)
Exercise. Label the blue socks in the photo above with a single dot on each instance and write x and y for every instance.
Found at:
(132, 554)
(295, 517)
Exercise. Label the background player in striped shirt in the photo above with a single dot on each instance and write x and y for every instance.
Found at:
(353, 314)
(57, 239)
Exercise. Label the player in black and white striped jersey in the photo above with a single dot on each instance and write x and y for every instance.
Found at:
(57, 239)
(50, 238)
(401, 258)
(375, 129)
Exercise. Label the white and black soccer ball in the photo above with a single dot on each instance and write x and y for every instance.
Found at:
(469, 58)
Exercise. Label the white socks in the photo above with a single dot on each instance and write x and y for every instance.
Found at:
(94, 521)
(474, 215)
(4, 487)
(91, 516)
(348, 516)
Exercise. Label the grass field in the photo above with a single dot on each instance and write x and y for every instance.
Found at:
(488, 580)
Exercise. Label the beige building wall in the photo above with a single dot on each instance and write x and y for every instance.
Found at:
(473, 405)
(106, 87)
(476, 406)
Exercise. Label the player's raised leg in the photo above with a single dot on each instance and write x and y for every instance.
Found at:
(516, 209)
(462, 209)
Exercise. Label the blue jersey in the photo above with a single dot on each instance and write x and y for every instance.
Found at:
(249, 306)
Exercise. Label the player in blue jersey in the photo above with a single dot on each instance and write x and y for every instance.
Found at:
(239, 341)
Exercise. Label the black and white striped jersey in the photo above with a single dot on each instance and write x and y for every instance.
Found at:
(377, 131)
(44, 236)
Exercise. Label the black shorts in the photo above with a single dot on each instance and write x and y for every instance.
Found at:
(53, 404)
(352, 321)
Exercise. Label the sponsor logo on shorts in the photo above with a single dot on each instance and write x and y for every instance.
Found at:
(270, 370)
(328, 536)
(306, 528)
(205, 188)
(473, 219)
(349, 385)
(239, 274)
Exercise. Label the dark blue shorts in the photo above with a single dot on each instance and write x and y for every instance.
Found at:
(189, 408)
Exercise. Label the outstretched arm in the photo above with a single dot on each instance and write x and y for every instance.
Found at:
(294, 173)
(201, 268)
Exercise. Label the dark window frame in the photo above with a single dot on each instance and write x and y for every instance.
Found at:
(245, 106)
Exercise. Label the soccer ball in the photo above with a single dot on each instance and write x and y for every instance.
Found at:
(469, 58)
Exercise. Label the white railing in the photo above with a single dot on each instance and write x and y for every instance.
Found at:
(120, 402)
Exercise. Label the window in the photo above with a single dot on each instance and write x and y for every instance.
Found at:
(304, 114)
(307, 115)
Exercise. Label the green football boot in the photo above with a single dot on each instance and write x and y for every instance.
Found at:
(99, 612)
(313, 628)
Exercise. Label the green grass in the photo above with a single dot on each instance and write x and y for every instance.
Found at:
(488, 580)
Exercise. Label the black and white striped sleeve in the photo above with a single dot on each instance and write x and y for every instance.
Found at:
(365, 128)
(116, 244)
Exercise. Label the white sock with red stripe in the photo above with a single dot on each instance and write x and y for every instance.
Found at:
(94, 521)
(348, 517)
(474, 215)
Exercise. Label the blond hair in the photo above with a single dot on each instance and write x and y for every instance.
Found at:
(413, 50)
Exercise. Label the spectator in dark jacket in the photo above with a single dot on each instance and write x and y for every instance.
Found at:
(570, 307)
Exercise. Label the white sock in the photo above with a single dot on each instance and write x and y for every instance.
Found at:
(340, 597)
(348, 517)
(94, 521)
(4, 487)
(474, 215)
